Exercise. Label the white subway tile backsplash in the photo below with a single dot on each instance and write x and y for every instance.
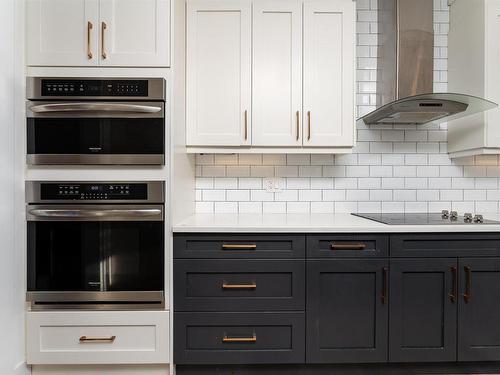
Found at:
(392, 169)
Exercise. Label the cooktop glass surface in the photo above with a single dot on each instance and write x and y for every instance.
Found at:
(419, 219)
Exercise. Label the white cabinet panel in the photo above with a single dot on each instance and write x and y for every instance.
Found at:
(62, 32)
(492, 84)
(329, 64)
(277, 73)
(97, 337)
(218, 73)
(134, 32)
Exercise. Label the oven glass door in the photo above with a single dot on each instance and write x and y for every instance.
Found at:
(57, 133)
(99, 255)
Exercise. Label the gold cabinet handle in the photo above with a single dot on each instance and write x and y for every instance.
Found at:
(103, 50)
(239, 339)
(239, 246)
(297, 116)
(86, 339)
(246, 125)
(239, 286)
(308, 125)
(90, 26)
(348, 246)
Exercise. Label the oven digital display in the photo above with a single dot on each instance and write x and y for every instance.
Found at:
(52, 87)
(119, 191)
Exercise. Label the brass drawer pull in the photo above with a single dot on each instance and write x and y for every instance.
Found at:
(239, 246)
(103, 49)
(90, 26)
(308, 125)
(385, 281)
(239, 339)
(239, 286)
(453, 294)
(468, 284)
(348, 246)
(297, 115)
(86, 339)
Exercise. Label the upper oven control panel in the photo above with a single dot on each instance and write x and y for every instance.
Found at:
(118, 88)
(93, 191)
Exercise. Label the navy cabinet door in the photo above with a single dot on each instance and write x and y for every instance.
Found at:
(347, 311)
(423, 310)
(479, 306)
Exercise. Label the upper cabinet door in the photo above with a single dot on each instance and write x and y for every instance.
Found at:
(329, 65)
(62, 32)
(134, 32)
(277, 73)
(219, 73)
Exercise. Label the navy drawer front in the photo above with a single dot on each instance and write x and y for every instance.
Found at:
(239, 338)
(239, 285)
(347, 246)
(445, 245)
(238, 246)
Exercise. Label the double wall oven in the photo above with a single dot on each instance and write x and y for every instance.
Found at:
(95, 245)
(95, 121)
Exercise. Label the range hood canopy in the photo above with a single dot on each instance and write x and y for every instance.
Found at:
(406, 69)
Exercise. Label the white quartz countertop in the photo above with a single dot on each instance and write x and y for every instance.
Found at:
(312, 223)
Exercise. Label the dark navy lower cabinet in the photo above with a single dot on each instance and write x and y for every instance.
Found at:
(479, 310)
(321, 304)
(239, 338)
(347, 311)
(423, 310)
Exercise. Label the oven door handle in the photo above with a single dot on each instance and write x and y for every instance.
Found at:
(94, 107)
(96, 214)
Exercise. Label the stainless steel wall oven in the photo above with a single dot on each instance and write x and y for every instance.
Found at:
(95, 121)
(95, 245)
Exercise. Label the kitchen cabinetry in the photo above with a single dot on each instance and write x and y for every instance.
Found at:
(369, 298)
(245, 86)
(423, 310)
(479, 303)
(92, 337)
(98, 33)
(218, 79)
(347, 311)
(473, 58)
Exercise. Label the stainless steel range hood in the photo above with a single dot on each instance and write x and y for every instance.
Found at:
(405, 73)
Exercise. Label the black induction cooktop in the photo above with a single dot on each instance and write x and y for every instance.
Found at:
(421, 219)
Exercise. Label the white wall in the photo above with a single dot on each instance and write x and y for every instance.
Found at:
(11, 250)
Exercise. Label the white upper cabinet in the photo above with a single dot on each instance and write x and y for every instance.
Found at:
(134, 32)
(474, 58)
(98, 33)
(62, 32)
(271, 75)
(219, 73)
(277, 73)
(329, 66)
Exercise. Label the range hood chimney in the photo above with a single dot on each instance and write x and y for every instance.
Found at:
(405, 75)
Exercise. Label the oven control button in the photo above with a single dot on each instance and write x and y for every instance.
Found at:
(478, 219)
(468, 218)
(445, 214)
(454, 215)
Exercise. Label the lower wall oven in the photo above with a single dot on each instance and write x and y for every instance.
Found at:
(95, 245)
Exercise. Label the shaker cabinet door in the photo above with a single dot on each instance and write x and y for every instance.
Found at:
(218, 77)
(329, 64)
(277, 73)
(347, 311)
(62, 32)
(423, 310)
(479, 303)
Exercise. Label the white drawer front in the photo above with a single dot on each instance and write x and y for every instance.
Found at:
(98, 337)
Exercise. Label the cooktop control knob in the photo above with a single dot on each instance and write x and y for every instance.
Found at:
(445, 214)
(468, 218)
(478, 219)
(454, 215)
